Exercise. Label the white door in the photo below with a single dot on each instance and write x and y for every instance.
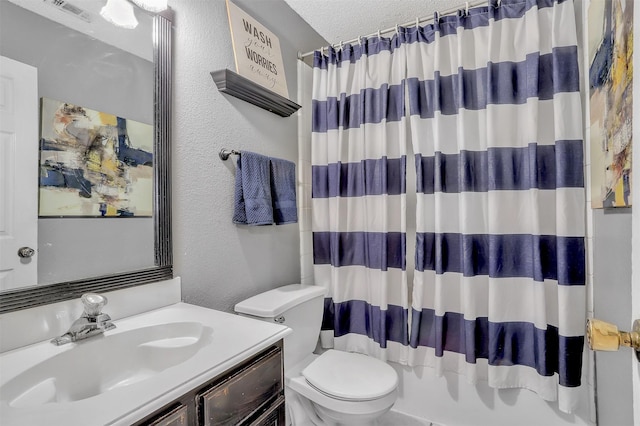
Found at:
(635, 229)
(635, 243)
(635, 369)
(635, 214)
(18, 173)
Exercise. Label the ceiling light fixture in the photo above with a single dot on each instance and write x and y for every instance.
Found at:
(119, 13)
(154, 6)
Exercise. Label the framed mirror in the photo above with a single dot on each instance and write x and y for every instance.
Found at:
(122, 74)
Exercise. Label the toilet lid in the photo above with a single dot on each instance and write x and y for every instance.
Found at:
(351, 376)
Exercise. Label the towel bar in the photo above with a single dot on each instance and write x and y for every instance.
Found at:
(225, 153)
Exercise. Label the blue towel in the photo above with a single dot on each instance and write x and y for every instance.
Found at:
(283, 191)
(253, 203)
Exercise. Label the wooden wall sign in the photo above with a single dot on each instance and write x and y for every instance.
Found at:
(256, 51)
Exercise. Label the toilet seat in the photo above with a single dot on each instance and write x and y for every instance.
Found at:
(355, 408)
(350, 376)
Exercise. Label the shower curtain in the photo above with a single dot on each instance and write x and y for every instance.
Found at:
(358, 154)
(495, 116)
(496, 125)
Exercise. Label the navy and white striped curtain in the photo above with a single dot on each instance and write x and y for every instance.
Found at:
(358, 196)
(495, 118)
(496, 125)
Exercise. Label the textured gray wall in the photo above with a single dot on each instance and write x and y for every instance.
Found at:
(74, 68)
(221, 263)
(612, 303)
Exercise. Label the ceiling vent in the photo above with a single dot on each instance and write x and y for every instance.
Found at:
(70, 8)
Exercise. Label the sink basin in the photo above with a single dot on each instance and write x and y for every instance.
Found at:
(149, 360)
(103, 363)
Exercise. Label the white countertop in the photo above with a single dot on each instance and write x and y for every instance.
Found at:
(234, 339)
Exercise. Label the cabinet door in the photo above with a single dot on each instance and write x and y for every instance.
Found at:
(244, 393)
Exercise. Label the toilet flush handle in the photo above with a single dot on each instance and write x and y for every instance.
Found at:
(279, 319)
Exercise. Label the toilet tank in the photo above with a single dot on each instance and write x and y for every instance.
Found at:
(297, 306)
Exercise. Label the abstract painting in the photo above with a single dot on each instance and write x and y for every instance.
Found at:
(93, 164)
(610, 30)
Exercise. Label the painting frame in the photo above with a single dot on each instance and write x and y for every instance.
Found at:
(610, 44)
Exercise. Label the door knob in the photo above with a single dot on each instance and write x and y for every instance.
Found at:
(26, 252)
(603, 336)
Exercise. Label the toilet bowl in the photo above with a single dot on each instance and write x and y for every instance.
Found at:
(331, 388)
(345, 388)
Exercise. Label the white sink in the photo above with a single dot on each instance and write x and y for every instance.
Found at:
(149, 360)
(106, 362)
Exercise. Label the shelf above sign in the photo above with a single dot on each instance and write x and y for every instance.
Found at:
(256, 51)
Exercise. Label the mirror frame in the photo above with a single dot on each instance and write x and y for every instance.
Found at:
(32, 296)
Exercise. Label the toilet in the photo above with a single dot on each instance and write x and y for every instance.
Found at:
(335, 387)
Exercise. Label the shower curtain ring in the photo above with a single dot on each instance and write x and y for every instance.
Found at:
(397, 30)
(417, 22)
(466, 9)
(379, 35)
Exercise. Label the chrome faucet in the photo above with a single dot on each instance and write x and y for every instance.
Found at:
(92, 321)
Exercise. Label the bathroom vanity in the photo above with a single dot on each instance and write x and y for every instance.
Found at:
(176, 365)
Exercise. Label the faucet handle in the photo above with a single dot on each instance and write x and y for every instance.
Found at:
(93, 303)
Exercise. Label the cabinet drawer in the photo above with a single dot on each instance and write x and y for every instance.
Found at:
(274, 416)
(176, 417)
(234, 399)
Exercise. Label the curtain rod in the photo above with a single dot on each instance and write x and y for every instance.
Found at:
(417, 22)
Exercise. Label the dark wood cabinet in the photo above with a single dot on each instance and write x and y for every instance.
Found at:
(232, 400)
(174, 417)
(250, 394)
(275, 416)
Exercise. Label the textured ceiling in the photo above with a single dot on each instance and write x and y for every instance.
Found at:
(342, 20)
